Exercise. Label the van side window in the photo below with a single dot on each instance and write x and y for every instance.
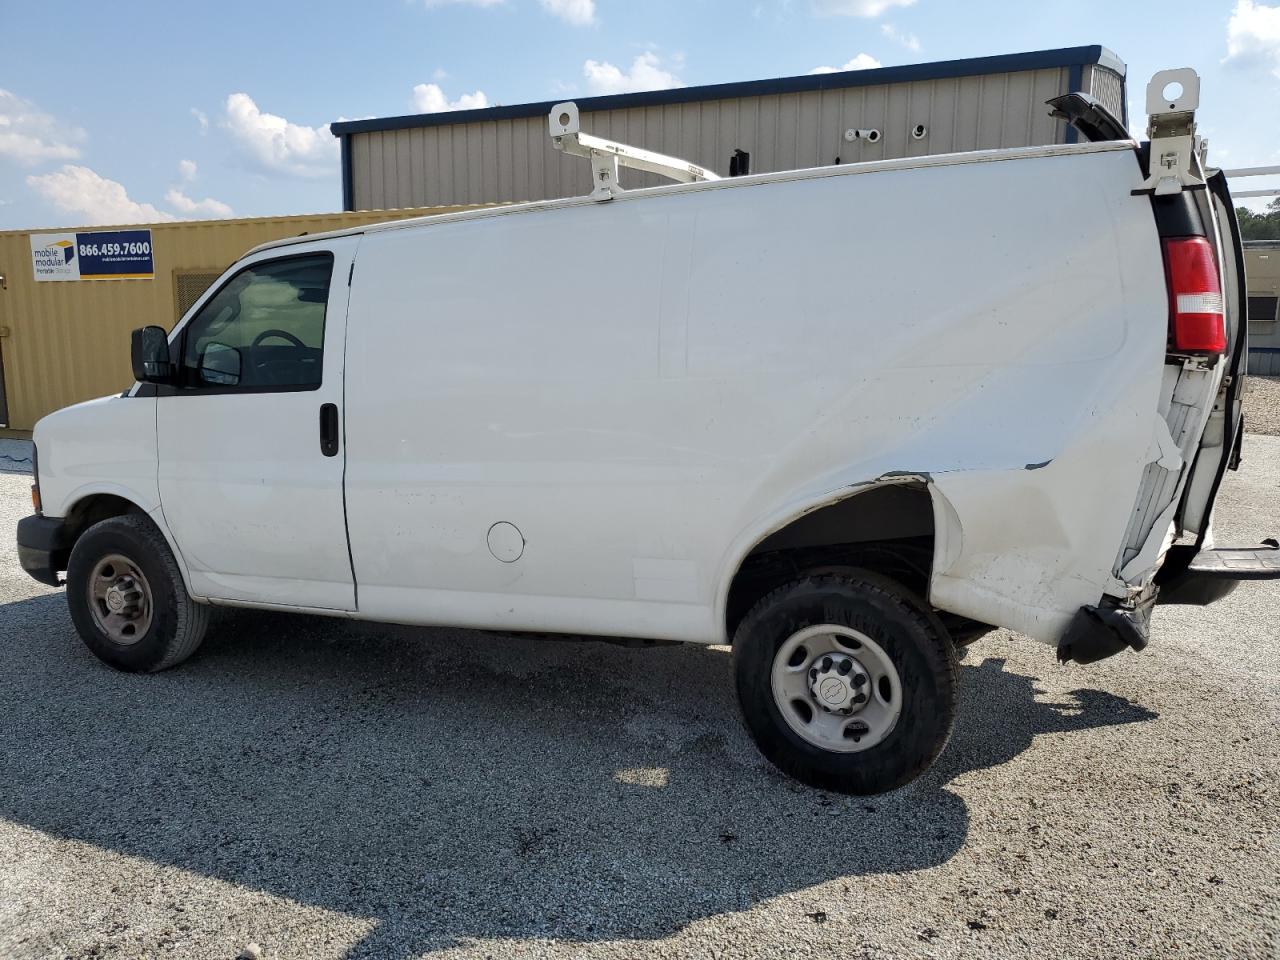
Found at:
(263, 331)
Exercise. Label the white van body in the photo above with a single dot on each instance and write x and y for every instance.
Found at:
(636, 415)
(647, 388)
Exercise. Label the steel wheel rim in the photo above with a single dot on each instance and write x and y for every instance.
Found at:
(120, 599)
(817, 719)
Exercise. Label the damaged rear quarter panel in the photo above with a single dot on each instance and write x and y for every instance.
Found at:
(1027, 404)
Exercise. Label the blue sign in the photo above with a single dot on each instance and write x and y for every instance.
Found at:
(115, 255)
(93, 255)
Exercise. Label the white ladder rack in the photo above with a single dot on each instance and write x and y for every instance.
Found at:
(607, 156)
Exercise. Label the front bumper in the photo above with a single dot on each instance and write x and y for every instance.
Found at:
(43, 547)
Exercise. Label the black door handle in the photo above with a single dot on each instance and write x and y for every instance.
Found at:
(329, 429)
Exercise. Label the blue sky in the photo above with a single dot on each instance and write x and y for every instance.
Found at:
(131, 111)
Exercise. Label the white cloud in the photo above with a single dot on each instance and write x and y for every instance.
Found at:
(439, 73)
(908, 40)
(187, 169)
(856, 8)
(646, 73)
(863, 61)
(1253, 35)
(278, 146)
(578, 12)
(429, 98)
(202, 118)
(93, 199)
(208, 207)
(29, 135)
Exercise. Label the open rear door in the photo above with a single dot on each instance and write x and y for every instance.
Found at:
(1198, 572)
(1200, 429)
(1224, 433)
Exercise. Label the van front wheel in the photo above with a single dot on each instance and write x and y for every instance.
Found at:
(127, 598)
(847, 681)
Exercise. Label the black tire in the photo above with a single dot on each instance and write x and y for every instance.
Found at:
(177, 622)
(906, 630)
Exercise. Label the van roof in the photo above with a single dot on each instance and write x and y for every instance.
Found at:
(842, 170)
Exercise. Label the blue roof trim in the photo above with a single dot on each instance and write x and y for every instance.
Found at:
(940, 70)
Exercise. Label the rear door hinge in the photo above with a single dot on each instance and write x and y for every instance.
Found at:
(1175, 159)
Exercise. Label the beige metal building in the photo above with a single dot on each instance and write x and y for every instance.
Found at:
(65, 342)
(505, 154)
(1262, 280)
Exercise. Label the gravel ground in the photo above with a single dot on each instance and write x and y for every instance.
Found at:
(1262, 405)
(330, 790)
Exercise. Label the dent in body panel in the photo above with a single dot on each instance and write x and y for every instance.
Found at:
(1036, 545)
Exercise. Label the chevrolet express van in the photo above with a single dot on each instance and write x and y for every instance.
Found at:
(723, 411)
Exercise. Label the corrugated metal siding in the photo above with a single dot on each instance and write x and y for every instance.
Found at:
(513, 160)
(66, 342)
(1107, 86)
(1264, 363)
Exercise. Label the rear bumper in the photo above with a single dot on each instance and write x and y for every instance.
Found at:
(43, 545)
(1099, 632)
(1187, 577)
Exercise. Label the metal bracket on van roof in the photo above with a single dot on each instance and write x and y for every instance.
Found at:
(1176, 152)
(606, 156)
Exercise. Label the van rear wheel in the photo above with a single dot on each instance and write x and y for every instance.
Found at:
(127, 598)
(847, 681)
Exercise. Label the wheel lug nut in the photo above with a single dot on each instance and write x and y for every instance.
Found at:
(859, 679)
(845, 667)
(826, 664)
(860, 698)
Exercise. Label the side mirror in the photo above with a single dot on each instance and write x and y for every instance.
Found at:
(149, 351)
(220, 365)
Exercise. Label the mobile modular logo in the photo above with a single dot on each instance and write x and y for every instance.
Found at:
(53, 257)
(93, 255)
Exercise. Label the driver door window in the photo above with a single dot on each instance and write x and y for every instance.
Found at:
(263, 331)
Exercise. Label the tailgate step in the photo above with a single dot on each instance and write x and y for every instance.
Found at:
(1212, 574)
(1239, 563)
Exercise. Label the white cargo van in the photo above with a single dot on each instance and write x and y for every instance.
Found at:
(722, 411)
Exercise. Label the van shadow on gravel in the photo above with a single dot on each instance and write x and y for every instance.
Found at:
(452, 785)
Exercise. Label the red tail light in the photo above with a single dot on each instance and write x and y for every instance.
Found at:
(1196, 320)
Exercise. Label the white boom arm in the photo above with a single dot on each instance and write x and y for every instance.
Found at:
(607, 156)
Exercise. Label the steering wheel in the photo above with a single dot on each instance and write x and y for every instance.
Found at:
(282, 334)
(273, 369)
